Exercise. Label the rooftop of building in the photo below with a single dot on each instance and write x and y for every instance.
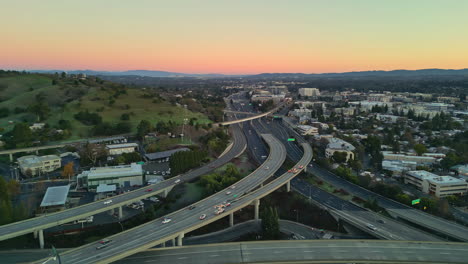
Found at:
(338, 143)
(123, 145)
(133, 169)
(431, 177)
(35, 160)
(164, 154)
(55, 196)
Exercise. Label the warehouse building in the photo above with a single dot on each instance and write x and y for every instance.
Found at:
(121, 176)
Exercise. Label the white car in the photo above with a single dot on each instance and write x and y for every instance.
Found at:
(372, 227)
(166, 220)
(203, 216)
(177, 181)
(228, 193)
(108, 202)
(233, 187)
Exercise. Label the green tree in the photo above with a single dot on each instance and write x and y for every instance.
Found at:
(40, 109)
(270, 223)
(420, 149)
(143, 128)
(340, 156)
(125, 116)
(21, 135)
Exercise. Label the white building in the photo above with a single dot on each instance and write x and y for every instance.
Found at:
(309, 92)
(307, 130)
(439, 186)
(301, 112)
(37, 126)
(420, 160)
(124, 175)
(117, 149)
(461, 169)
(38, 164)
(337, 144)
(398, 166)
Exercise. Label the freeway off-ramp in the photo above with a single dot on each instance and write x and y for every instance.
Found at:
(307, 251)
(184, 220)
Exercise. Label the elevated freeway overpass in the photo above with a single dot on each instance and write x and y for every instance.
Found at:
(36, 225)
(307, 251)
(184, 220)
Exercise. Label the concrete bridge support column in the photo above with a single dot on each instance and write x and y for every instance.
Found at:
(166, 192)
(179, 239)
(288, 186)
(163, 244)
(257, 209)
(231, 219)
(41, 239)
(37, 152)
(305, 168)
(35, 234)
(173, 242)
(120, 212)
(11, 157)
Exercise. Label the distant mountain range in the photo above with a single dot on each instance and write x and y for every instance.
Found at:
(394, 73)
(144, 73)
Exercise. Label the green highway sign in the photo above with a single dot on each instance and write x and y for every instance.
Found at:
(415, 201)
(141, 162)
(291, 139)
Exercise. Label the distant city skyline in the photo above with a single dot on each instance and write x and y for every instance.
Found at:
(241, 37)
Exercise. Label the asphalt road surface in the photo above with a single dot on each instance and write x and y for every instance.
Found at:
(438, 224)
(184, 220)
(307, 251)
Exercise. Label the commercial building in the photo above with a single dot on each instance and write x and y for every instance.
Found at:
(460, 169)
(309, 92)
(163, 155)
(122, 175)
(301, 112)
(439, 186)
(339, 145)
(398, 167)
(33, 165)
(307, 130)
(420, 160)
(117, 149)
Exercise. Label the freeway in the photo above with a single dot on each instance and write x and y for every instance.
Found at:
(183, 221)
(402, 211)
(307, 251)
(357, 216)
(62, 217)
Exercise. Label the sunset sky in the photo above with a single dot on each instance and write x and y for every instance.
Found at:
(234, 37)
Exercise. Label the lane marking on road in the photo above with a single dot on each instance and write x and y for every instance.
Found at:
(309, 251)
(214, 256)
(182, 258)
